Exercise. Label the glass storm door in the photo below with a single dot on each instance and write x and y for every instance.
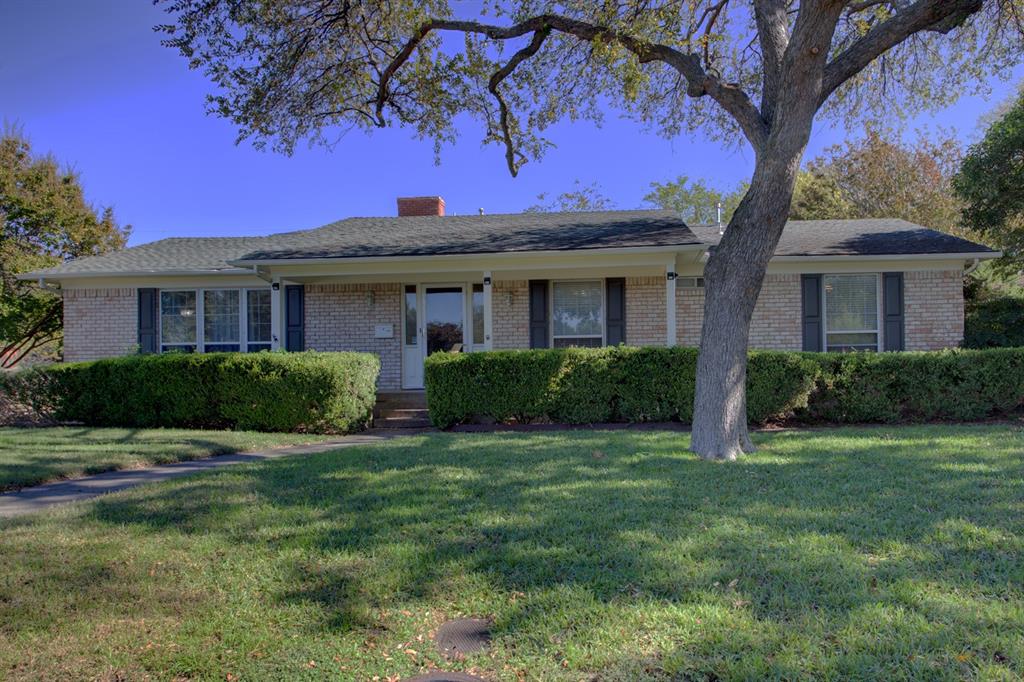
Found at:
(444, 310)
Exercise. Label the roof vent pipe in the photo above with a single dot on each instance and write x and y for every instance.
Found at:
(720, 229)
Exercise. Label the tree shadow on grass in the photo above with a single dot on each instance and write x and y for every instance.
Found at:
(796, 539)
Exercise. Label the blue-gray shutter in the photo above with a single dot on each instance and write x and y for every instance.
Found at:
(149, 328)
(810, 295)
(294, 312)
(538, 313)
(615, 322)
(892, 310)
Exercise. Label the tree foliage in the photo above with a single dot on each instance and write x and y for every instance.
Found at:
(696, 201)
(44, 220)
(879, 175)
(288, 70)
(991, 184)
(580, 198)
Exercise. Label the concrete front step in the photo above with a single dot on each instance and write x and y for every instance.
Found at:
(401, 410)
(402, 419)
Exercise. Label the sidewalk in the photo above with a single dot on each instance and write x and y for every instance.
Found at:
(29, 500)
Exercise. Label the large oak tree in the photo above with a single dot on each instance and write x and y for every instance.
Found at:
(759, 71)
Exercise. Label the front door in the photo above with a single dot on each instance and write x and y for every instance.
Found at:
(434, 321)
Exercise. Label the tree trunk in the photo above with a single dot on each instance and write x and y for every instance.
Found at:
(733, 278)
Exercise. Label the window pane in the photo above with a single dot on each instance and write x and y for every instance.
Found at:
(842, 342)
(410, 315)
(178, 318)
(257, 347)
(221, 347)
(851, 303)
(220, 317)
(580, 342)
(258, 316)
(577, 309)
(478, 313)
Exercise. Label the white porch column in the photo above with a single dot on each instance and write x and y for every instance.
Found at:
(276, 314)
(488, 311)
(670, 304)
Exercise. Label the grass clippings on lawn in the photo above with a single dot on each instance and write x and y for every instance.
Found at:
(30, 456)
(891, 553)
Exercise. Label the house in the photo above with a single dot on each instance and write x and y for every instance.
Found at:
(422, 282)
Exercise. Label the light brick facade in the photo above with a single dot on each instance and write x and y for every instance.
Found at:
(776, 322)
(510, 317)
(645, 311)
(774, 325)
(100, 323)
(933, 304)
(344, 316)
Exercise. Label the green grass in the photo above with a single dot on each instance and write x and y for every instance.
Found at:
(36, 455)
(884, 553)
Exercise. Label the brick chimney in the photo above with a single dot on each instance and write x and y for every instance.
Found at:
(418, 206)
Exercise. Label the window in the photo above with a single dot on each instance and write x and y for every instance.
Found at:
(577, 314)
(478, 314)
(411, 319)
(258, 336)
(214, 320)
(851, 312)
(221, 311)
(178, 321)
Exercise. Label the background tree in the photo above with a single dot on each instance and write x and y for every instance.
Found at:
(580, 198)
(879, 175)
(44, 219)
(990, 182)
(696, 201)
(759, 70)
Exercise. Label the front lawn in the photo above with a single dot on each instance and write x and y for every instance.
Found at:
(883, 553)
(36, 455)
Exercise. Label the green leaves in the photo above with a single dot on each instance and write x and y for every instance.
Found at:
(44, 219)
(991, 184)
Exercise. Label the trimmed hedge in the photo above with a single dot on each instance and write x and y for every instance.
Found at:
(581, 386)
(312, 392)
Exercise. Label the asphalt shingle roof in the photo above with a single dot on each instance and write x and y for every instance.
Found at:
(504, 233)
(864, 237)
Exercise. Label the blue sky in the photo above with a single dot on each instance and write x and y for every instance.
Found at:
(89, 81)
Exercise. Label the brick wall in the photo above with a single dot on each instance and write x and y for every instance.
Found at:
(510, 317)
(100, 323)
(775, 323)
(645, 311)
(933, 303)
(342, 317)
(689, 315)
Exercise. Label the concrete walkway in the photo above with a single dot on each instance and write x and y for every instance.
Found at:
(28, 500)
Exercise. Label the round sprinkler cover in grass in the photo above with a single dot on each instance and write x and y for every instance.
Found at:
(439, 676)
(457, 638)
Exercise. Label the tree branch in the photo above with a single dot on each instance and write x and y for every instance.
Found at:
(699, 83)
(924, 15)
(500, 75)
(773, 36)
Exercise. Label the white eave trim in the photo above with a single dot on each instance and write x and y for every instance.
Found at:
(57, 276)
(891, 256)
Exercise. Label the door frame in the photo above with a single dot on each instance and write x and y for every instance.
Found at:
(421, 309)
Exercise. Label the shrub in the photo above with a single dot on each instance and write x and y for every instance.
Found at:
(315, 392)
(584, 386)
(960, 385)
(995, 323)
(580, 386)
